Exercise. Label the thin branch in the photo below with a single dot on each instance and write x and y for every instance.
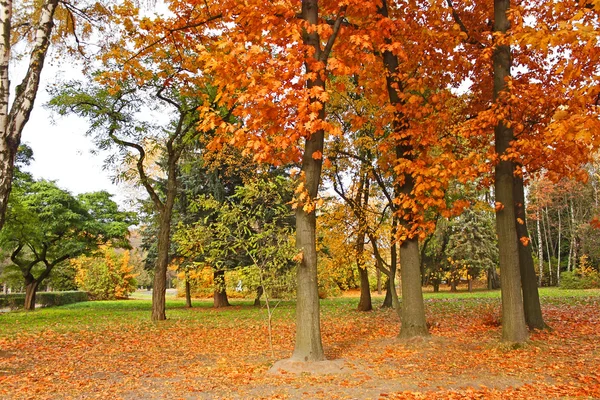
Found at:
(470, 39)
(336, 29)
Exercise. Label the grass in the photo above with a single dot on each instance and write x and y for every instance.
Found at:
(111, 349)
(94, 315)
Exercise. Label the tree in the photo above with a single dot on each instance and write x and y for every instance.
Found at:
(107, 275)
(116, 121)
(472, 243)
(34, 23)
(46, 226)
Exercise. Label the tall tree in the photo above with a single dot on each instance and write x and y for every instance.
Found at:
(46, 226)
(35, 24)
(514, 328)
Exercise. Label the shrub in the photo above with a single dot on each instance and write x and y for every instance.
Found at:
(573, 280)
(45, 299)
(108, 277)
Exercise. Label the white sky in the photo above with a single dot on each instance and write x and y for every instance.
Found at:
(60, 148)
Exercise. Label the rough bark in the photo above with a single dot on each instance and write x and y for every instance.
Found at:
(13, 121)
(413, 308)
(188, 293)
(220, 293)
(413, 314)
(514, 328)
(259, 293)
(162, 260)
(362, 199)
(31, 287)
(531, 297)
(308, 346)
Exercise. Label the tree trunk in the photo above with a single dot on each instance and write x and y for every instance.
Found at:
(413, 308)
(220, 293)
(188, 293)
(514, 328)
(365, 303)
(558, 251)
(470, 284)
(308, 345)
(413, 313)
(540, 251)
(164, 241)
(362, 200)
(547, 238)
(531, 297)
(453, 286)
(378, 274)
(160, 271)
(387, 300)
(259, 293)
(13, 121)
(31, 287)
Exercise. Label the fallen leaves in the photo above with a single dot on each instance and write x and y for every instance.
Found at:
(202, 353)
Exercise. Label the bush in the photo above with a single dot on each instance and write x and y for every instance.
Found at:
(106, 277)
(573, 280)
(45, 299)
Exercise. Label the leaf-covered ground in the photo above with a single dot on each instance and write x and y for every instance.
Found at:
(110, 350)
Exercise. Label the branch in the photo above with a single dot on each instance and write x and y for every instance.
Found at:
(171, 31)
(140, 167)
(336, 29)
(462, 26)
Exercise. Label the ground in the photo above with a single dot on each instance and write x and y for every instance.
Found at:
(110, 350)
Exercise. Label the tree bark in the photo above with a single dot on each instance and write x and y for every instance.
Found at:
(531, 297)
(13, 121)
(413, 313)
(188, 293)
(514, 328)
(365, 303)
(308, 345)
(31, 287)
(164, 238)
(540, 251)
(378, 274)
(259, 293)
(220, 294)
(362, 200)
(413, 308)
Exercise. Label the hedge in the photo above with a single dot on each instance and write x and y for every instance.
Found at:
(45, 299)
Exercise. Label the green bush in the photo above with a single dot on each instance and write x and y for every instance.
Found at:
(12, 300)
(573, 280)
(45, 299)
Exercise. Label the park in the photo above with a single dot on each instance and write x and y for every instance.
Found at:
(305, 199)
(110, 349)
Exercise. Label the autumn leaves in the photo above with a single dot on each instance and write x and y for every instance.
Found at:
(392, 70)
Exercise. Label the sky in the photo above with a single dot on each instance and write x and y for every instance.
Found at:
(60, 148)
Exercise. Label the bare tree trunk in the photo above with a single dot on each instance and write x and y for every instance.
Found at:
(30, 292)
(531, 297)
(540, 251)
(413, 308)
(378, 274)
(548, 247)
(514, 328)
(259, 292)
(308, 345)
(188, 292)
(220, 292)
(162, 262)
(558, 251)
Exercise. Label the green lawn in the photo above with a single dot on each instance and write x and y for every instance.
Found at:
(94, 315)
